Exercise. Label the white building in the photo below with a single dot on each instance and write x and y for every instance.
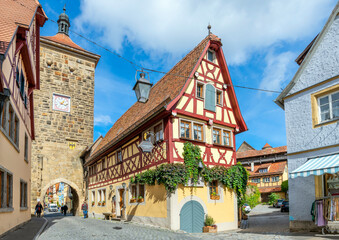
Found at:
(311, 104)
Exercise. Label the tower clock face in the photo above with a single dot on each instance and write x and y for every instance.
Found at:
(61, 103)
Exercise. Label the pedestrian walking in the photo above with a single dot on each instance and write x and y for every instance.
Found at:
(84, 209)
(65, 209)
(38, 209)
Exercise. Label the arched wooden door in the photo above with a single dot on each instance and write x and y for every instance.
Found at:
(192, 217)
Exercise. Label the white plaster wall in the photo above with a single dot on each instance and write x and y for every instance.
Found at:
(324, 63)
(300, 134)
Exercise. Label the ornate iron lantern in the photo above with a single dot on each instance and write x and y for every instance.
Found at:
(142, 88)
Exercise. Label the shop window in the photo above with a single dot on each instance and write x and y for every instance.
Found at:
(185, 129)
(219, 97)
(200, 90)
(266, 180)
(26, 148)
(23, 194)
(210, 98)
(216, 136)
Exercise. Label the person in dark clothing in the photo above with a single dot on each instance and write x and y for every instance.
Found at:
(62, 209)
(38, 209)
(84, 208)
(65, 209)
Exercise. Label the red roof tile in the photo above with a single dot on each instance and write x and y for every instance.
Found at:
(64, 39)
(165, 90)
(273, 168)
(266, 146)
(256, 153)
(14, 13)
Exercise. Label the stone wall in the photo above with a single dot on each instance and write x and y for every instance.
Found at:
(52, 156)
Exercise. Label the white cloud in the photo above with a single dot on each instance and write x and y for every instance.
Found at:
(102, 120)
(278, 71)
(174, 26)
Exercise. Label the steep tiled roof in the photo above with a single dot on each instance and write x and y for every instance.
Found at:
(165, 90)
(64, 39)
(245, 147)
(273, 168)
(266, 146)
(256, 153)
(13, 13)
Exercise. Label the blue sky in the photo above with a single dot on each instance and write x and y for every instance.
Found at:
(261, 40)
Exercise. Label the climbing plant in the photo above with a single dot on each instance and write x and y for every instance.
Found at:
(171, 175)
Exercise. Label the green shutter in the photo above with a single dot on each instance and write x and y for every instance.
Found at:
(210, 98)
(192, 217)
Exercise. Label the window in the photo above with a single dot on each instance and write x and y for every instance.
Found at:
(219, 97)
(17, 75)
(210, 98)
(185, 129)
(198, 131)
(22, 84)
(6, 187)
(23, 194)
(93, 198)
(103, 165)
(26, 148)
(200, 90)
(16, 131)
(2, 174)
(216, 136)
(214, 187)
(119, 156)
(137, 193)
(101, 197)
(266, 179)
(263, 170)
(255, 180)
(210, 55)
(3, 117)
(275, 179)
(226, 135)
(328, 107)
(158, 132)
(10, 122)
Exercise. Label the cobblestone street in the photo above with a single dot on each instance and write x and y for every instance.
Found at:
(78, 228)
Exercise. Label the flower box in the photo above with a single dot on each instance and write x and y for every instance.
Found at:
(215, 197)
(140, 200)
(103, 204)
(99, 203)
(210, 229)
(133, 200)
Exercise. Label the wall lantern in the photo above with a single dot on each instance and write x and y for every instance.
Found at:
(124, 185)
(142, 88)
(4, 98)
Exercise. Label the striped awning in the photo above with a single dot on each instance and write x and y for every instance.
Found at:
(318, 166)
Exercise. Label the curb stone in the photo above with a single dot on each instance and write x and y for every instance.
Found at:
(41, 229)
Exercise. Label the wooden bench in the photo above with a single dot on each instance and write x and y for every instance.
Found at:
(109, 216)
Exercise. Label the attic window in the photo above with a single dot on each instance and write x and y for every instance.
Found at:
(210, 55)
(263, 170)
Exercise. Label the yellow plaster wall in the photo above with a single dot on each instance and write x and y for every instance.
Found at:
(190, 87)
(232, 117)
(180, 147)
(218, 113)
(189, 107)
(175, 126)
(226, 119)
(221, 212)
(227, 100)
(182, 102)
(200, 107)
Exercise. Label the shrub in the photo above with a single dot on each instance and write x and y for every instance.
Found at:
(253, 198)
(284, 186)
(209, 221)
(272, 198)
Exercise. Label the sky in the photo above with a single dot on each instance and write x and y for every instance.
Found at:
(261, 39)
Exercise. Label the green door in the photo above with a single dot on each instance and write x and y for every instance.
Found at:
(192, 217)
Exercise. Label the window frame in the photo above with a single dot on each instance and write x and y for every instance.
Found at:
(203, 90)
(23, 195)
(216, 97)
(222, 143)
(329, 95)
(213, 55)
(137, 193)
(256, 180)
(152, 129)
(185, 129)
(263, 170)
(26, 148)
(192, 123)
(275, 179)
(220, 135)
(266, 180)
(119, 161)
(6, 193)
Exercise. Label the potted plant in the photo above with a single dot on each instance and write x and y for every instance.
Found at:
(99, 203)
(214, 196)
(210, 227)
(93, 203)
(103, 203)
(140, 199)
(133, 200)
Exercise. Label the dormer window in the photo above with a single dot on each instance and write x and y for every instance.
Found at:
(263, 170)
(210, 55)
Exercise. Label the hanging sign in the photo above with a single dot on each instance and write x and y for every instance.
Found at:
(146, 146)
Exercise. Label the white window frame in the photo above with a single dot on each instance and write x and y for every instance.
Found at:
(256, 180)
(137, 194)
(222, 136)
(216, 94)
(192, 130)
(203, 90)
(330, 107)
(266, 179)
(263, 170)
(24, 198)
(275, 179)
(93, 196)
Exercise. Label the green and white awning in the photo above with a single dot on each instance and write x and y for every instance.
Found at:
(318, 166)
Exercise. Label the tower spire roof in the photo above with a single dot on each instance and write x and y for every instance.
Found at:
(63, 22)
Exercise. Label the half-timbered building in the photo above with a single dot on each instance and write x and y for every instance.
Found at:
(195, 101)
(19, 76)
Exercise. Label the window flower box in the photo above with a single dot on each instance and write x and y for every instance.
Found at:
(93, 203)
(103, 203)
(133, 200)
(99, 203)
(140, 199)
(215, 197)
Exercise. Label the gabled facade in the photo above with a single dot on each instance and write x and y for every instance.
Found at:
(19, 76)
(194, 101)
(311, 104)
(267, 168)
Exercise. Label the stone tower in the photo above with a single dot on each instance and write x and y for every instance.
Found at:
(64, 112)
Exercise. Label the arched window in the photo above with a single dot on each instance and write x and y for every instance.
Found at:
(210, 98)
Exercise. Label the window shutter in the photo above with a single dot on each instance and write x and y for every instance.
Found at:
(210, 98)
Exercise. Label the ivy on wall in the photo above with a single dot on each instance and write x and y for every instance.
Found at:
(171, 175)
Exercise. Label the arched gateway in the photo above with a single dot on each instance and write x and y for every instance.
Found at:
(63, 113)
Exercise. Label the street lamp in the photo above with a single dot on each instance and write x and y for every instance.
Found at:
(142, 88)
(4, 98)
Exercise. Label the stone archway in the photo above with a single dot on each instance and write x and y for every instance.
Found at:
(76, 192)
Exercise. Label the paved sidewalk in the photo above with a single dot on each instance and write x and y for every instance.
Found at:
(27, 231)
